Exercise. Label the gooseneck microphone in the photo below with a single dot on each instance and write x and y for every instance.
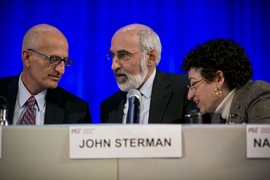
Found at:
(3, 111)
(134, 98)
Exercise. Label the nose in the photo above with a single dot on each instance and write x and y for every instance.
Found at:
(116, 63)
(60, 68)
(190, 95)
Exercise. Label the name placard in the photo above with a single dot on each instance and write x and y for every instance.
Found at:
(258, 141)
(125, 141)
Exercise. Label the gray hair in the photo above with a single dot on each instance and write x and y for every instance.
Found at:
(149, 39)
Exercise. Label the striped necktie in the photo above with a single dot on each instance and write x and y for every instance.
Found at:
(29, 115)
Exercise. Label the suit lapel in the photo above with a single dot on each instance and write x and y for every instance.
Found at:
(118, 107)
(160, 97)
(11, 95)
(54, 114)
(238, 99)
(217, 119)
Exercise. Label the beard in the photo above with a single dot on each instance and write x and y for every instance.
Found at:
(132, 81)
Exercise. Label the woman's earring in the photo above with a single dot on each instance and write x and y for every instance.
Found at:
(218, 91)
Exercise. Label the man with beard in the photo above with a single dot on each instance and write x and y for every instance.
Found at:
(33, 96)
(135, 52)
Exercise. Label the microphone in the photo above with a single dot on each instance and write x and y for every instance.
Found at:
(3, 111)
(194, 117)
(134, 97)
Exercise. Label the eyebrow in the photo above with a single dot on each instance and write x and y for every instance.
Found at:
(120, 51)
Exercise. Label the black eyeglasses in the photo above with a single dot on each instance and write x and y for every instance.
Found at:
(55, 60)
(121, 55)
(192, 87)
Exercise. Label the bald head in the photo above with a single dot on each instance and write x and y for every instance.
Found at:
(133, 28)
(139, 35)
(131, 33)
(41, 36)
(38, 72)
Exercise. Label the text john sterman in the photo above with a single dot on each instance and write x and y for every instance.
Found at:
(126, 142)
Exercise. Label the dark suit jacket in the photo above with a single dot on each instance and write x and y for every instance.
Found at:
(251, 104)
(169, 102)
(62, 107)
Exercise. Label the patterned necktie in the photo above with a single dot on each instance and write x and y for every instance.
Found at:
(29, 115)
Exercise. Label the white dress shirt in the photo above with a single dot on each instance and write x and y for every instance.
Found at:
(146, 91)
(225, 105)
(20, 105)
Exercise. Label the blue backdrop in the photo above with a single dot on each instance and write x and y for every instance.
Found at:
(90, 24)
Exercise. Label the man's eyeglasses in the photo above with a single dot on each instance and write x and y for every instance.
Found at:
(55, 60)
(121, 55)
(192, 87)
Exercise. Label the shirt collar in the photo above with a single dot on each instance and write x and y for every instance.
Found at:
(24, 95)
(146, 88)
(225, 105)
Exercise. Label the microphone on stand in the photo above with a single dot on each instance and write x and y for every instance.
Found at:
(134, 98)
(3, 111)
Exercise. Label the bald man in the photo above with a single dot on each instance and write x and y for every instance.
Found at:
(135, 52)
(44, 58)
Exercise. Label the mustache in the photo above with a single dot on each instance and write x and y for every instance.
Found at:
(120, 72)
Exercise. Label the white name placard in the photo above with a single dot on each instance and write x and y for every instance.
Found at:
(125, 141)
(258, 141)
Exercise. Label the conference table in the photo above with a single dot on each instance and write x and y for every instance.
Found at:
(208, 152)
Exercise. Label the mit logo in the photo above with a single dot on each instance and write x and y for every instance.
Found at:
(76, 131)
(253, 130)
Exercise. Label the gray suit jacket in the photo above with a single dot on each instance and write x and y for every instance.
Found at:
(251, 104)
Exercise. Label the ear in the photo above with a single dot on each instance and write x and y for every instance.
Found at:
(220, 78)
(152, 57)
(26, 58)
